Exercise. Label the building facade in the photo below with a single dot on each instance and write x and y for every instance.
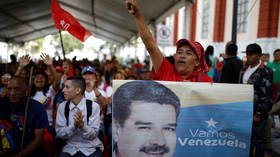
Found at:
(210, 23)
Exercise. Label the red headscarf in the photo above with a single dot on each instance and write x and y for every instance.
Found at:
(199, 51)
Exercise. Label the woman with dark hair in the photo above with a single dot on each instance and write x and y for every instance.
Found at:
(40, 83)
(41, 90)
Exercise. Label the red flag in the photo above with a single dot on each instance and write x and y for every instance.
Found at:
(65, 21)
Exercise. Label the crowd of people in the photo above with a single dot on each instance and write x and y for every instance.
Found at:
(64, 107)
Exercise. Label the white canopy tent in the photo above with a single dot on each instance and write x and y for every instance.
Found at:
(25, 20)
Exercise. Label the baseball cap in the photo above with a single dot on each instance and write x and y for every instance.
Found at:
(199, 51)
(88, 69)
(253, 49)
(59, 69)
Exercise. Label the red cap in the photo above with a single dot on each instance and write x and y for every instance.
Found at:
(199, 51)
(59, 69)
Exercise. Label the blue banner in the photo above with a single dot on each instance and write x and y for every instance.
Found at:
(215, 130)
(181, 119)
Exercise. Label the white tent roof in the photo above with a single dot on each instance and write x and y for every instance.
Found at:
(25, 20)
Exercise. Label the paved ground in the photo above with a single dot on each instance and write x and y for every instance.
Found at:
(275, 139)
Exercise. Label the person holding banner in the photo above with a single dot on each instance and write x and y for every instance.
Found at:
(190, 64)
(138, 131)
(260, 76)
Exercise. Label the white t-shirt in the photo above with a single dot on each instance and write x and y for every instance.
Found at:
(101, 86)
(109, 91)
(249, 72)
(47, 101)
(91, 95)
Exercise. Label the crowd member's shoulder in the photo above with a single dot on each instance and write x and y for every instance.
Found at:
(265, 69)
(36, 105)
(5, 106)
(233, 60)
(3, 101)
(62, 105)
(203, 77)
(270, 64)
(268, 69)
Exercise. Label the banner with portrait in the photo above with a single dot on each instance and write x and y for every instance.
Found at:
(213, 120)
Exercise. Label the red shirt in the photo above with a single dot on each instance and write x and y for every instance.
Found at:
(167, 72)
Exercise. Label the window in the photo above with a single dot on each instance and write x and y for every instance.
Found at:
(205, 19)
(242, 15)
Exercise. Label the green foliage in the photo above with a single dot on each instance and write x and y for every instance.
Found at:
(70, 43)
(39, 46)
(36, 46)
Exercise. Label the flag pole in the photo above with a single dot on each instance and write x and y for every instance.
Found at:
(26, 108)
(62, 46)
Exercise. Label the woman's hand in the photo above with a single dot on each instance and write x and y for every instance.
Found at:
(46, 59)
(24, 60)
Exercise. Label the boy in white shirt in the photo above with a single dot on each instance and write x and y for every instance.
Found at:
(79, 129)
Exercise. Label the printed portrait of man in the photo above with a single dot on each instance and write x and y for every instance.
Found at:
(145, 119)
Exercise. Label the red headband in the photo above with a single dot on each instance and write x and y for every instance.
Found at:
(199, 51)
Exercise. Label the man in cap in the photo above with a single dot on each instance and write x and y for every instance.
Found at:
(95, 94)
(92, 92)
(190, 64)
(260, 77)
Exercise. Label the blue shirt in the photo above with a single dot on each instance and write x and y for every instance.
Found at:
(36, 119)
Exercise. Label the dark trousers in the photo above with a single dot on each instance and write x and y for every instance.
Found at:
(257, 139)
(97, 153)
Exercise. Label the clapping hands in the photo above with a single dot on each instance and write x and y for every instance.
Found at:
(79, 119)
